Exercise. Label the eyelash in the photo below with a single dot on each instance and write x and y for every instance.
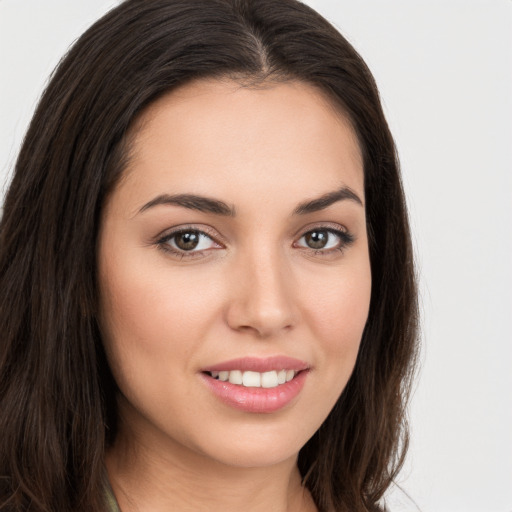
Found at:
(346, 239)
(164, 242)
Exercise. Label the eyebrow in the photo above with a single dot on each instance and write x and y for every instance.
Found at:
(210, 205)
(192, 202)
(323, 202)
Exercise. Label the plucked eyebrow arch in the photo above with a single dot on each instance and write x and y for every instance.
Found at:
(192, 202)
(326, 200)
(217, 207)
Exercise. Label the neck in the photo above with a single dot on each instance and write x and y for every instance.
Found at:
(146, 476)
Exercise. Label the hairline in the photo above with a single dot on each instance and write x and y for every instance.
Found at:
(245, 80)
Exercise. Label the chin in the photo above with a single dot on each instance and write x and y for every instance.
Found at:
(255, 447)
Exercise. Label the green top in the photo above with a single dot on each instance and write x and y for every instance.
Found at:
(110, 499)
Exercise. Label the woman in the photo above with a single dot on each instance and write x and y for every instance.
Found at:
(208, 296)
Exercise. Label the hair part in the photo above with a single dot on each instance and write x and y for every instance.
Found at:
(51, 355)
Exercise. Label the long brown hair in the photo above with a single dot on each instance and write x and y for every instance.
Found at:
(57, 395)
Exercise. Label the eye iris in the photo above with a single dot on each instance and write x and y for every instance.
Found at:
(317, 239)
(187, 240)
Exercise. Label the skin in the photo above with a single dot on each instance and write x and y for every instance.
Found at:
(255, 289)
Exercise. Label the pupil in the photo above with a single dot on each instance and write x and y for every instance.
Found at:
(317, 239)
(187, 241)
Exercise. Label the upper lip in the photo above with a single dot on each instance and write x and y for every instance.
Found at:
(259, 364)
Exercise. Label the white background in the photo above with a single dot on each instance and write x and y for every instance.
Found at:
(444, 68)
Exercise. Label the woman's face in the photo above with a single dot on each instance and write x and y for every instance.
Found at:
(234, 247)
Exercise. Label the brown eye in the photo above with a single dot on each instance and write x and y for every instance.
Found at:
(187, 240)
(190, 241)
(317, 239)
(323, 240)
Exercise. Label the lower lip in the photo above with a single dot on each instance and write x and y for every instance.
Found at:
(256, 400)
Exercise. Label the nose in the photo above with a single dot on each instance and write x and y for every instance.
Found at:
(263, 301)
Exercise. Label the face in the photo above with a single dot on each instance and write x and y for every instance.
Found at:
(234, 272)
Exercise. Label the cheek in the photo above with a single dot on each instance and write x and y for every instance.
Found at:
(150, 333)
(152, 317)
(340, 311)
(338, 316)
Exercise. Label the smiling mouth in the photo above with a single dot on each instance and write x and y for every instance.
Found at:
(251, 379)
(257, 385)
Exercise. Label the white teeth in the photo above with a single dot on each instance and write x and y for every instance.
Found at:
(235, 377)
(269, 380)
(251, 379)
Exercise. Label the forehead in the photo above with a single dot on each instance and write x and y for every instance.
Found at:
(218, 136)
